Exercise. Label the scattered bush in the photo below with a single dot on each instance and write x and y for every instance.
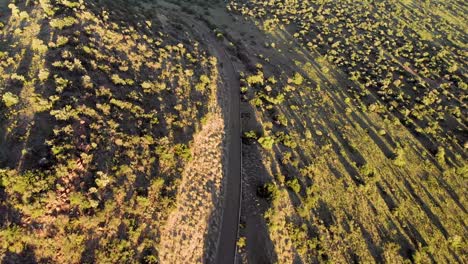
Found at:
(61, 23)
(294, 185)
(266, 142)
(10, 99)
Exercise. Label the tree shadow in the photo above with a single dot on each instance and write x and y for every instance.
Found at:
(259, 247)
(26, 256)
(372, 247)
(325, 214)
(413, 233)
(391, 204)
(8, 214)
(365, 124)
(38, 150)
(12, 142)
(350, 169)
(406, 249)
(432, 217)
(88, 256)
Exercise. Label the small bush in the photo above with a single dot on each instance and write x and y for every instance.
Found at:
(400, 159)
(10, 99)
(297, 79)
(61, 41)
(440, 156)
(367, 170)
(266, 142)
(63, 23)
(116, 79)
(241, 243)
(43, 75)
(87, 82)
(294, 185)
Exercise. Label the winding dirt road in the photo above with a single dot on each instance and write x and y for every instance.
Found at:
(226, 249)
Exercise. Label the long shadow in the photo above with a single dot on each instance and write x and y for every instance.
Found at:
(451, 192)
(260, 248)
(455, 256)
(325, 214)
(12, 141)
(391, 204)
(432, 217)
(41, 131)
(364, 121)
(374, 249)
(8, 214)
(428, 194)
(443, 182)
(340, 106)
(352, 152)
(406, 249)
(413, 234)
(90, 246)
(390, 154)
(366, 126)
(9, 141)
(350, 169)
(425, 140)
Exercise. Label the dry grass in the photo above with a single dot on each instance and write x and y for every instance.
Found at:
(184, 236)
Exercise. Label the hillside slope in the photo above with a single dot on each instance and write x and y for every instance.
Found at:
(355, 130)
(117, 121)
(103, 108)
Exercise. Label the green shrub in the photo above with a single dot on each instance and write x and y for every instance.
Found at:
(63, 22)
(23, 15)
(146, 86)
(400, 159)
(294, 185)
(440, 156)
(117, 80)
(273, 192)
(10, 99)
(70, 4)
(255, 79)
(61, 40)
(241, 242)
(266, 142)
(183, 151)
(251, 134)
(43, 75)
(367, 170)
(297, 79)
(45, 4)
(283, 120)
(87, 82)
(14, 10)
(78, 199)
(204, 82)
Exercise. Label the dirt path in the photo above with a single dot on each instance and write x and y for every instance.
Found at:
(226, 248)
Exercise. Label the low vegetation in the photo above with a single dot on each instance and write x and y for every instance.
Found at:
(360, 131)
(98, 110)
(114, 116)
